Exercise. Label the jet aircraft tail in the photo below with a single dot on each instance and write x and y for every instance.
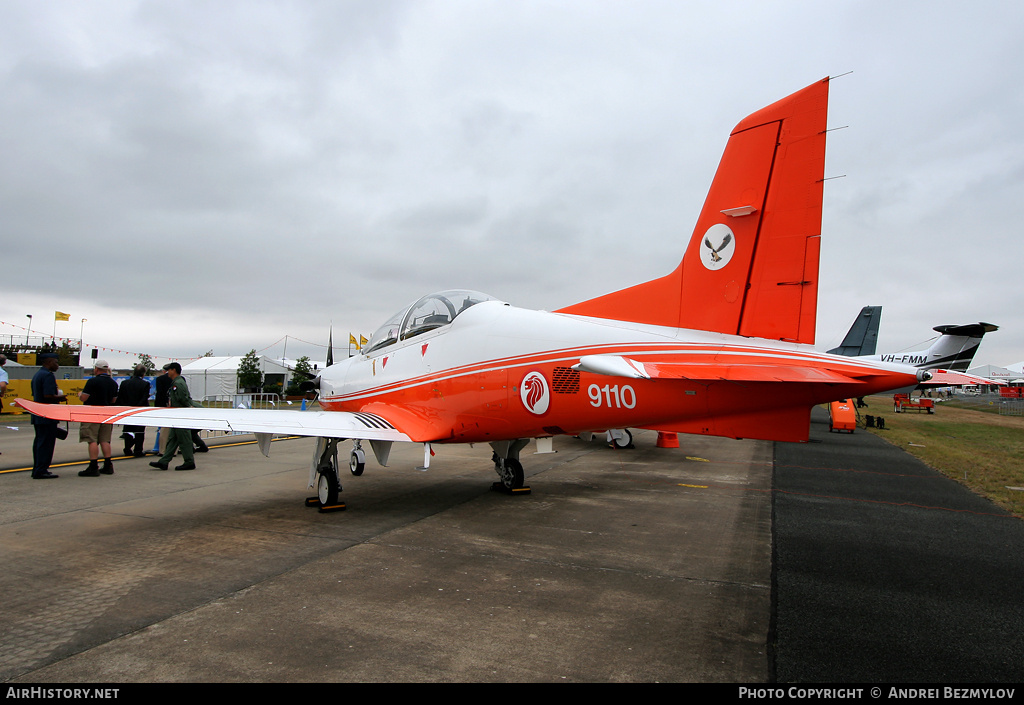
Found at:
(751, 266)
(953, 350)
(862, 338)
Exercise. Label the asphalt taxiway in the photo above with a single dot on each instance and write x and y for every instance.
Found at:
(840, 560)
(887, 571)
(642, 565)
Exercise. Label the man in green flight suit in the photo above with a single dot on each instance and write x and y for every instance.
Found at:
(178, 397)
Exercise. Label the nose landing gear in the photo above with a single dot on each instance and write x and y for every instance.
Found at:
(357, 460)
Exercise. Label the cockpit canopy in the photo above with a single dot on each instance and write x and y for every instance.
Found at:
(431, 312)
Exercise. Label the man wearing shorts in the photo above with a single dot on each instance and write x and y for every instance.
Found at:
(100, 390)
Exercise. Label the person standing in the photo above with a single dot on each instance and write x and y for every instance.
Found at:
(45, 391)
(178, 397)
(100, 390)
(134, 391)
(4, 379)
(163, 385)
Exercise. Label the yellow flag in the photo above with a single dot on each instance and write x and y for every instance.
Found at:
(352, 340)
(362, 341)
(59, 316)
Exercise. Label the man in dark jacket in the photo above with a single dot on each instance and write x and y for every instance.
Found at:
(45, 391)
(134, 391)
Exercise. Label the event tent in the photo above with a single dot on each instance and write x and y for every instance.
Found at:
(218, 376)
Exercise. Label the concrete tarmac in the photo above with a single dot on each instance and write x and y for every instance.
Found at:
(642, 565)
(886, 571)
(848, 562)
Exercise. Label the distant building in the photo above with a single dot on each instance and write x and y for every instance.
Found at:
(999, 374)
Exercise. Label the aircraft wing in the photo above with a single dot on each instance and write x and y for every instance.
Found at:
(326, 424)
(619, 366)
(948, 378)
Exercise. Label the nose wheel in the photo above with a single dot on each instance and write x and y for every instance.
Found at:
(357, 461)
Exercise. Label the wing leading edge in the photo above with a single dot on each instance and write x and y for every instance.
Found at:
(949, 378)
(618, 366)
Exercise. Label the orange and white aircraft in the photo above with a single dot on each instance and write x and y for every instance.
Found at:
(721, 346)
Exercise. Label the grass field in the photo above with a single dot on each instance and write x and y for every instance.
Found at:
(982, 451)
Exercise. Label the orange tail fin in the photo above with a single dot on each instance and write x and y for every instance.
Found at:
(751, 267)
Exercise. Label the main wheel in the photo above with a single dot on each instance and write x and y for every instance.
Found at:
(512, 476)
(327, 487)
(357, 462)
(624, 442)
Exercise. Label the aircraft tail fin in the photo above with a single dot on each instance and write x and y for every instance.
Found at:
(956, 346)
(862, 338)
(751, 266)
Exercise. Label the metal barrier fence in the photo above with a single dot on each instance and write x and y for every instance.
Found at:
(992, 403)
(255, 400)
(1011, 407)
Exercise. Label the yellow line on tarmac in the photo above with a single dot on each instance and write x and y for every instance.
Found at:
(126, 457)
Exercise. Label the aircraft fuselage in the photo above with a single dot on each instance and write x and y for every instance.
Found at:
(498, 372)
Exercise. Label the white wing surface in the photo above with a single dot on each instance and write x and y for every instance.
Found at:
(326, 424)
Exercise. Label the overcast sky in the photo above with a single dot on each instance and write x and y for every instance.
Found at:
(194, 176)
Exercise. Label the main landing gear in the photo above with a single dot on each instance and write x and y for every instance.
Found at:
(325, 477)
(325, 470)
(509, 469)
(620, 438)
(617, 438)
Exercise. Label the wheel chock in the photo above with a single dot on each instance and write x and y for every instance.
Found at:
(498, 487)
(315, 502)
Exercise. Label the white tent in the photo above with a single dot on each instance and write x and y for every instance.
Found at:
(218, 376)
(1000, 374)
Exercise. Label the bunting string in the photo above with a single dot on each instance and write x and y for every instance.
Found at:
(69, 341)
